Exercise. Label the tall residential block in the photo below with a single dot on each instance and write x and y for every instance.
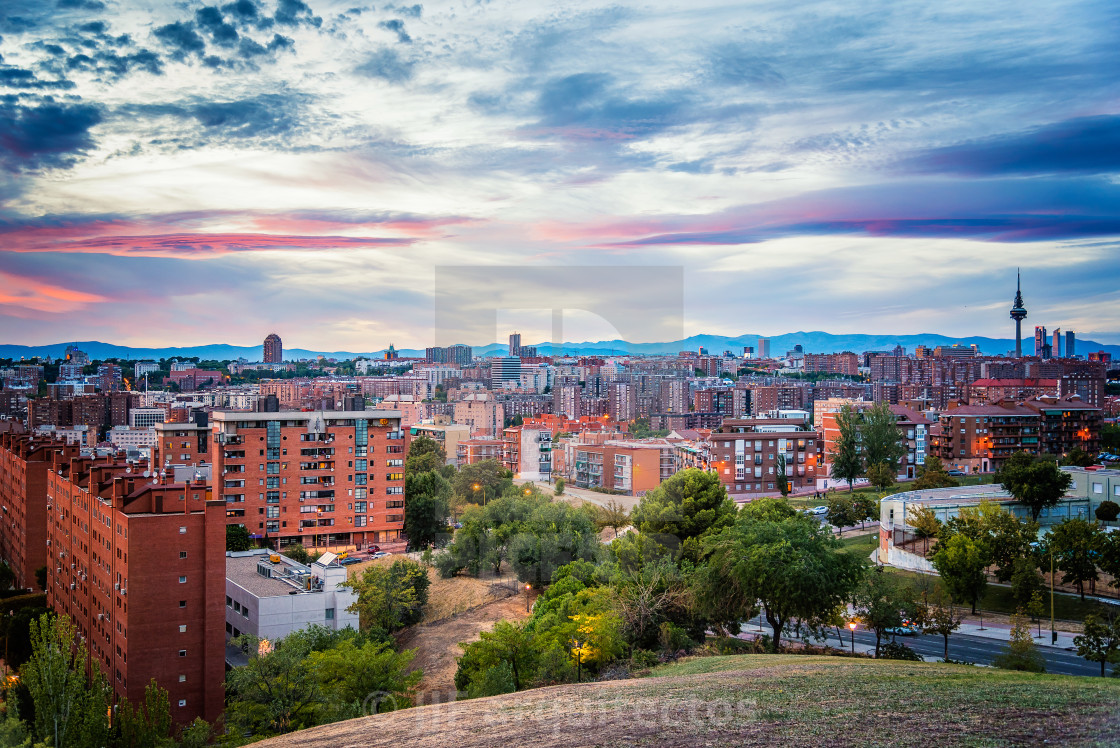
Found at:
(25, 461)
(138, 564)
(515, 344)
(326, 479)
(273, 350)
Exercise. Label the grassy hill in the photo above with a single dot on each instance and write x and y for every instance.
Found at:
(764, 700)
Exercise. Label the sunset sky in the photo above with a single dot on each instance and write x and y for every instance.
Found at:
(211, 173)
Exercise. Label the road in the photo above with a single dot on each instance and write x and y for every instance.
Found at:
(962, 647)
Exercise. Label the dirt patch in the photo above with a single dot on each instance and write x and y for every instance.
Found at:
(437, 641)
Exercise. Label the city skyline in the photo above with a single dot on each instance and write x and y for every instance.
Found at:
(221, 172)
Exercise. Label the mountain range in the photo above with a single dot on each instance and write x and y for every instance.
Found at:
(811, 342)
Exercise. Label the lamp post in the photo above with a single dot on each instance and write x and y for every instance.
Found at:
(852, 628)
(579, 659)
(1053, 631)
(527, 588)
(478, 487)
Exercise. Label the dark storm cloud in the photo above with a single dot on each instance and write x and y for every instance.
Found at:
(397, 27)
(1086, 145)
(296, 13)
(21, 78)
(49, 134)
(181, 38)
(209, 19)
(387, 65)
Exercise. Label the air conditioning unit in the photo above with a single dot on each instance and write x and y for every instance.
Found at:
(72, 585)
(117, 586)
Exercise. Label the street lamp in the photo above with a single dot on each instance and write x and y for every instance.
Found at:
(527, 588)
(478, 487)
(1053, 631)
(852, 627)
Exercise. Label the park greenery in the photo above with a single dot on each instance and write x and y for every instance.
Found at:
(868, 445)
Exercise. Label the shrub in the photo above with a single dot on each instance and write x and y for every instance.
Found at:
(898, 651)
(446, 565)
(643, 659)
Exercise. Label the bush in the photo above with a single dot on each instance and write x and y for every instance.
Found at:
(1108, 511)
(643, 659)
(446, 565)
(559, 491)
(898, 651)
(673, 638)
(497, 679)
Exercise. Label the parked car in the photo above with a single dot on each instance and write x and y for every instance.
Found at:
(380, 554)
(906, 629)
(819, 510)
(350, 560)
(956, 473)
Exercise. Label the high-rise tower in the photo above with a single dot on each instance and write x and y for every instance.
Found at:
(273, 349)
(1018, 313)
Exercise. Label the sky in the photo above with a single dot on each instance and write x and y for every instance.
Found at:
(195, 173)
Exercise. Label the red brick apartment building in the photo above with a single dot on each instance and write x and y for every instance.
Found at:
(139, 566)
(979, 438)
(744, 454)
(24, 463)
(325, 479)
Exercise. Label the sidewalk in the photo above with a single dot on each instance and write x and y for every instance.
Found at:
(1002, 632)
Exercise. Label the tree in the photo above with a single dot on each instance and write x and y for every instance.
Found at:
(1074, 543)
(559, 489)
(614, 515)
(69, 709)
(841, 511)
(785, 560)
(419, 449)
(781, 469)
(924, 521)
(491, 478)
(1021, 653)
(276, 692)
(1100, 641)
(1108, 511)
(296, 552)
(881, 476)
(846, 462)
(1108, 555)
(146, 725)
(1036, 608)
(864, 508)
(390, 597)
(932, 474)
(960, 562)
(1026, 582)
(237, 538)
(1034, 482)
(881, 438)
(426, 508)
(41, 578)
(350, 671)
(1078, 457)
(7, 576)
(510, 644)
(938, 618)
(882, 603)
(687, 506)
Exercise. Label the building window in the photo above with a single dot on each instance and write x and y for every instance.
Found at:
(182, 580)
(182, 653)
(330, 614)
(1098, 488)
(182, 679)
(183, 603)
(182, 531)
(182, 554)
(182, 702)
(229, 602)
(182, 628)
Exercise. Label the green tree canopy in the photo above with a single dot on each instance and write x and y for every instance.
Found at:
(422, 446)
(960, 561)
(882, 602)
(1034, 482)
(932, 474)
(1075, 543)
(845, 459)
(785, 560)
(390, 597)
(426, 508)
(881, 475)
(685, 507)
(237, 538)
(489, 476)
(1100, 640)
(881, 437)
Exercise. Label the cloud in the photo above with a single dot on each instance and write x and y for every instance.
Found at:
(13, 77)
(296, 13)
(1085, 145)
(50, 134)
(213, 244)
(410, 11)
(81, 4)
(397, 27)
(181, 38)
(589, 106)
(247, 13)
(209, 19)
(388, 65)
